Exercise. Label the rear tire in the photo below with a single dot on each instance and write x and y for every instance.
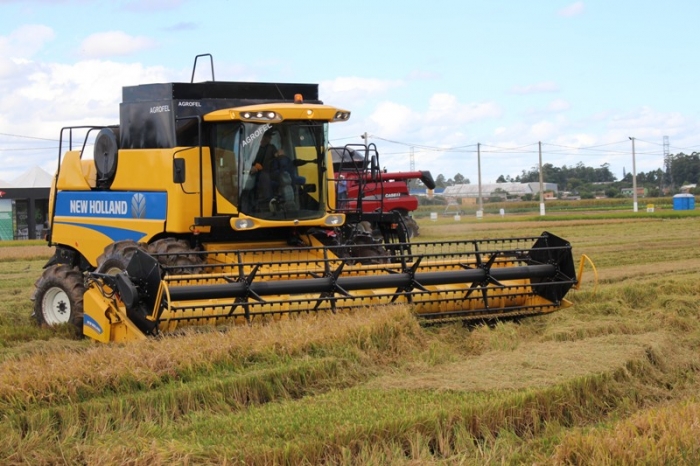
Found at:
(117, 255)
(177, 256)
(58, 298)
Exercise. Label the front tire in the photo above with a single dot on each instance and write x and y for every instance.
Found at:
(115, 259)
(58, 298)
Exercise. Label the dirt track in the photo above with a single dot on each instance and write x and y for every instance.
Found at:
(25, 252)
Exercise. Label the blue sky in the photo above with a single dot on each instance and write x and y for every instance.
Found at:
(435, 78)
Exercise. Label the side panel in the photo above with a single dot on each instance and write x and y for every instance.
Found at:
(152, 170)
(142, 202)
(90, 220)
(72, 175)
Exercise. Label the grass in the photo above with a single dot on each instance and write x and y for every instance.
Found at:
(611, 380)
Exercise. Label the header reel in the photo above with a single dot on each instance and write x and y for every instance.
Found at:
(442, 281)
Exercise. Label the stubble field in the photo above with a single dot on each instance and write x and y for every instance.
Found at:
(611, 380)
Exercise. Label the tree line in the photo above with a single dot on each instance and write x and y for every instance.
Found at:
(584, 180)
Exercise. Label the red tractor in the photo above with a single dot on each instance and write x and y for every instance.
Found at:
(365, 189)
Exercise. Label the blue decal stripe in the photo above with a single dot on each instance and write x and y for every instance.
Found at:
(112, 204)
(92, 323)
(113, 233)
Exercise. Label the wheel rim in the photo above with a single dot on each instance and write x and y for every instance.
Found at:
(114, 270)
(56, 306)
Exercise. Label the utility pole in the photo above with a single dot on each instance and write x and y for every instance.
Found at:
(480, 213)
(668, 160)
(541, 182)
(634, 178)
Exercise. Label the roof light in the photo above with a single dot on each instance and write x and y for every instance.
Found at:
(263, 115)
(341, 115)
(298, 99)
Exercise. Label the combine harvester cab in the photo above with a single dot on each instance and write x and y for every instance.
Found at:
(369, 190)
(215, 202)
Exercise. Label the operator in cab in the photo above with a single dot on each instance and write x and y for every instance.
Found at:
(262, 167)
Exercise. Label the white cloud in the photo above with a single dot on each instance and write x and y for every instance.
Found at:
(21, 44)
(442, 121)
(537, 88)
(445, 109)
(152, 5)
(392, 120)
(50, 96)
(558, 105)
(86, 88)
(423, 75)
(575, 140)
(645, 123)
(352, 84)
(543, 130)
(574, 9)
(112, 44)
(352, 91)
(9, 67)
(182, 26)
(26, 40)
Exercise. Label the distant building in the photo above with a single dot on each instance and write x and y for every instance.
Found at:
(25, 205)
(512, 190)
(423, 191)
(629, 191)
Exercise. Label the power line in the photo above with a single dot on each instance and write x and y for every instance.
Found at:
(28, 148)
(27, 137)
(432, 148)
(509, 148)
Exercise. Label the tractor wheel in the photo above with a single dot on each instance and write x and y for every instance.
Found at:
(176, 256)
(369, 250)
(411, 226)
(117, 255)
(58, 298)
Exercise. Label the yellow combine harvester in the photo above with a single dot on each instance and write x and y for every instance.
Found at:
(215, 202)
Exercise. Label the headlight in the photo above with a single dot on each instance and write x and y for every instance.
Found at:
(243, 224)
(334, 220)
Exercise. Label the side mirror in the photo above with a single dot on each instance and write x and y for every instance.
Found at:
(178, 170)
(374, 168)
